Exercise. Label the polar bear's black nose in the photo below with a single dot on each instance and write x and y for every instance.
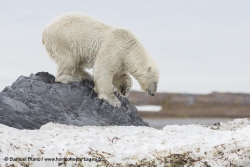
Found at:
(151, 94)
(151, 90)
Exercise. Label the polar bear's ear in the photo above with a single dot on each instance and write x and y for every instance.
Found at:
(149, 69)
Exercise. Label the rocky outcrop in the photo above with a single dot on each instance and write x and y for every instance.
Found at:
(31, 102)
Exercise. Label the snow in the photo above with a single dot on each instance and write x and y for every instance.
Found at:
(227, 144)
(159, 123)
(149, 108)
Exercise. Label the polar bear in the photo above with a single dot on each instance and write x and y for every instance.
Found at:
(77, 42)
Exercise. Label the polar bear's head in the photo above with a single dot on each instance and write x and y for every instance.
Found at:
(149, 79)
(142, 67)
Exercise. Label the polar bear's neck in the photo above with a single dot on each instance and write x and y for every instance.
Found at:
(136, 62)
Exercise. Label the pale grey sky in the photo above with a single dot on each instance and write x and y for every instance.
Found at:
(200, 45)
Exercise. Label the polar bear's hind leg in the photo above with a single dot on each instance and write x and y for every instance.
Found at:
(87, 76)
(64, 73)
(81, 74)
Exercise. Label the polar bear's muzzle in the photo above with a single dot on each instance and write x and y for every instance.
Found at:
(151, 93)
(151, 90)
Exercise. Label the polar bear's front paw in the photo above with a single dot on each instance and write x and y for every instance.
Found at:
(112, 100)
(116, 104)
(124, 90)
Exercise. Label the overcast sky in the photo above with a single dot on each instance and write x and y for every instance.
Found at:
(200, 46)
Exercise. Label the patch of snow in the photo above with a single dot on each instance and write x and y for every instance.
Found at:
(175, 145)
(149, 108)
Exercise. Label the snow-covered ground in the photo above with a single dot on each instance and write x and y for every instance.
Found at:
(227, 144)
(159, 123)
(149, 108)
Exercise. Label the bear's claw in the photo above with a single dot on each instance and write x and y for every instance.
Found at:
(124, 90)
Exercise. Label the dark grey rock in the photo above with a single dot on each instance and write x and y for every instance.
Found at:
(31, 102)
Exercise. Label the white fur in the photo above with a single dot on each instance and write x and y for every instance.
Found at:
(77, 42)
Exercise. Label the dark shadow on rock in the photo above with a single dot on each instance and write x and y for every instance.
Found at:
(31, 102)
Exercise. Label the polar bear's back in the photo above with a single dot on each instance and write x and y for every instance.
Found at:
(72, 35)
